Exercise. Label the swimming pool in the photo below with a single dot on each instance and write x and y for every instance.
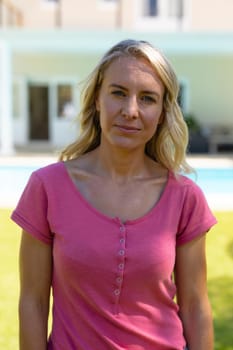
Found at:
(216, 183)
(214, 180)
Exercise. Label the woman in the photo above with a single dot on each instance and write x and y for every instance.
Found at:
(115, 230)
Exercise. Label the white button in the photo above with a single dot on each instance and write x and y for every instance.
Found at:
(122, 228)
(117, 291)
(119, 280)
(121, 252)
(122, 241)
(121, 266)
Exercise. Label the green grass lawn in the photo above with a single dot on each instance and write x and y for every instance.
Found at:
(220, 279)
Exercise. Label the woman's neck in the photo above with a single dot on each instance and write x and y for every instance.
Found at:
(121, 165)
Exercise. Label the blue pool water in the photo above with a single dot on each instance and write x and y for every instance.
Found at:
(213, 181)
(12, 182)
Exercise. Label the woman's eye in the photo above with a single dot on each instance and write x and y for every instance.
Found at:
(148, 99)
(118, 93)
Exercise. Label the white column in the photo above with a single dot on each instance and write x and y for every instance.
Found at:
(6, 119)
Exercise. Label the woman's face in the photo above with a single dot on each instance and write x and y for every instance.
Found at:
(130, 103)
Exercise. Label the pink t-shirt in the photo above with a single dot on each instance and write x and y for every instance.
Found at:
(112, 282)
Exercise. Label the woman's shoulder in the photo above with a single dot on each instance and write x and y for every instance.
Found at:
(50, 171)
(83, 166)
(182, 180)
(184, 189)
(184, 183)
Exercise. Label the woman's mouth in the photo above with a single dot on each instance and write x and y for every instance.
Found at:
(127, 128)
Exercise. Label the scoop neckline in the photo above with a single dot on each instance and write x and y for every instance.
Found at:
(100, 214)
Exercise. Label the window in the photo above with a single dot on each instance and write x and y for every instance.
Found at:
(151, 8)
(161, 15)
(65, 101)
(108, 2)
(172, 8)
(50, 3)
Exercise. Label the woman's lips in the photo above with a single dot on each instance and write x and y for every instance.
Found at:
(127, 128)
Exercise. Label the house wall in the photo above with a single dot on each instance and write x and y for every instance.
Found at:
(199, 15)
(69, 14)
(53, 64)
(37, 13)
(207, 15)
(210, 95)
(89, 14)
(207, 77)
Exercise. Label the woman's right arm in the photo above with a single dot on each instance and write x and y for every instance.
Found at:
(35, 281)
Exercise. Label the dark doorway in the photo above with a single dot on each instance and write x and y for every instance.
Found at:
(38, 112)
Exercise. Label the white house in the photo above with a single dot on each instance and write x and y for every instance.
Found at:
(41, 69)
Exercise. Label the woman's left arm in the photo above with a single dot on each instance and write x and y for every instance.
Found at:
(192, 295)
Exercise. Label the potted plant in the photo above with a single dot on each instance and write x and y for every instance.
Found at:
(198, 142)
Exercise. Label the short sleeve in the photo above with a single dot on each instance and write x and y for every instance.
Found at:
(31, 211)
(196, 217)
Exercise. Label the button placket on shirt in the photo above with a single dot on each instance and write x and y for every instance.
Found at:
(121, 262)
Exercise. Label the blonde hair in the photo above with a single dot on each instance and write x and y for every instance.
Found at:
(169, 143)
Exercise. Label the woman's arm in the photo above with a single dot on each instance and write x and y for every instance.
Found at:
(35, 282)
(192, 296)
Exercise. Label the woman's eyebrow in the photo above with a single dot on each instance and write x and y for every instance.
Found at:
(149, 92)
(117, 86)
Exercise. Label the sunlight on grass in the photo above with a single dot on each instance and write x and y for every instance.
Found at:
(220, 279)
(9, 286)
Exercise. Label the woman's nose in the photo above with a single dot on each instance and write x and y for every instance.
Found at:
(130, 109)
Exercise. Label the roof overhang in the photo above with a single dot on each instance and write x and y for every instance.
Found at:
(96, 42)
